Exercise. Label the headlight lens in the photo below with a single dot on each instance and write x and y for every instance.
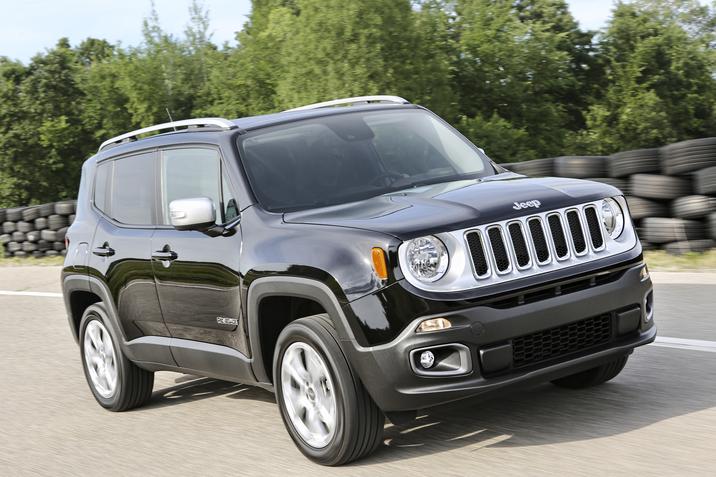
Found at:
(613, 217)
(427, 258)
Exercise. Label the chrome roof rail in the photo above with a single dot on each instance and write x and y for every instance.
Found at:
(199, 122)
(355, 100)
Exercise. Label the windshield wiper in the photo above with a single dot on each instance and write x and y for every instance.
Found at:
(405, 183)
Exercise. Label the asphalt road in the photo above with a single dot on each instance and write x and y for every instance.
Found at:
(656, 418)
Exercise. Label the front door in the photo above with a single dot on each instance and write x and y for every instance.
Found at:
(197, 276)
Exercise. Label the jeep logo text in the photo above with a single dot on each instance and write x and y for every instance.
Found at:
(525, 205)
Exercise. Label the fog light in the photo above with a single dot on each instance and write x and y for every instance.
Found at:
(427, 359)
(434, 324)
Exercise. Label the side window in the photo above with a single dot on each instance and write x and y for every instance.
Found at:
(102, 184)
(132, 198)
(196, 172)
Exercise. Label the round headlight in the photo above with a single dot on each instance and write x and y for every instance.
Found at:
(427, 258)
(613, 217)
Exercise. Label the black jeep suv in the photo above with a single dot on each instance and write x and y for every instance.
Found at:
(360, 261)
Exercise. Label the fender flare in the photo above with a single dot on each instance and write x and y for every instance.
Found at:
(290, 286)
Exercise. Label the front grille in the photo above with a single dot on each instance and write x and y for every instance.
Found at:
(534, 242)
(561, 341)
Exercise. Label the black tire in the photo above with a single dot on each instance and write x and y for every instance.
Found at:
(19, 254)
(44, 245)
(640, 208)
(49, 235)
(29, 247)
(24, 227)
(71, 219)
(693, 206)
(66, 207)
(706, 181)
(41, 223)
(688, 156)
(639, 161)
(14, 214)
(134, 384)
(8, 227)
(46, 210)
(30, 214)
(533, 168)
(621, 184)
(2, 215)
(651, 186)
(58, 246)
(33, 236)
(18, 237)
(5, 238)
(51, 253)
(359, 422)
(662, 230)
(13, 247)
(593, 377)
(580, 167)
(56, 222)
(60, 234)
(712, 226)
(686, 246)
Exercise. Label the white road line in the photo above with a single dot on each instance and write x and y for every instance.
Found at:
(30, 293)
(683, 343)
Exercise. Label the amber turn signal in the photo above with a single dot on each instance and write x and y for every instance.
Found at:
(379, 263)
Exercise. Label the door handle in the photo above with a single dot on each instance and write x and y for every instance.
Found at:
(104, 251)
(165, 256)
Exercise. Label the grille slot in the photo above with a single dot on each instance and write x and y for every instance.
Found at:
(595, 230)
(499, 249)
(539, 240)
(575, 228)
(519, 244)
(561, 341)
(477, 252)
(558, 237)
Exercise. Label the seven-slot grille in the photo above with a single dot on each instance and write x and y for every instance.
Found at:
(537, 241)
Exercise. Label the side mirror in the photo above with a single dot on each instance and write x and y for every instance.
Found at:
(192, 214)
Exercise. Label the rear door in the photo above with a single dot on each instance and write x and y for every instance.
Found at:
(199, 282)
(125, 196)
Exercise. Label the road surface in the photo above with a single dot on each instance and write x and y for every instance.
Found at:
(656, 418)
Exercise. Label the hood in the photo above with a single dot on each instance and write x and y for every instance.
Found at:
(454, 205)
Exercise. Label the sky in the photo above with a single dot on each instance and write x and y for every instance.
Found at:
(31, 26)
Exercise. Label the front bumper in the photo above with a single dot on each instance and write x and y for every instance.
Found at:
(390, 378)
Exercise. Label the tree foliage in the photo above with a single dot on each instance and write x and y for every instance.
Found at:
(518, 77)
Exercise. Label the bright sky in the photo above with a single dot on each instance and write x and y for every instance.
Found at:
(30, 26)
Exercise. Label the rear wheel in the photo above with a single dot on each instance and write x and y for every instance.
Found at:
(593, 377)
(326, 409)
(116, 383)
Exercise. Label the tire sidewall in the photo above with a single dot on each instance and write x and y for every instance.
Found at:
(327, 347)
(96, 313)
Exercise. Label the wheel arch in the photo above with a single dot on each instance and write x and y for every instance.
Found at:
(265, 288)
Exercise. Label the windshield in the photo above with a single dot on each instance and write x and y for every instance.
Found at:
(353, 156)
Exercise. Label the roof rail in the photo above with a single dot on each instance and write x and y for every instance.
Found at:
(354, 100)
(199, 122)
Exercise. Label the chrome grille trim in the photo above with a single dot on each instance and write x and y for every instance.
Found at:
(461, 274)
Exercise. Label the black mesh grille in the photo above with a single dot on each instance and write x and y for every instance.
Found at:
(499, 251)
(575, 227)
(539, 240)
(561, 341)
(560, 241)
(477, 251)
(519, 244)
(595, 231)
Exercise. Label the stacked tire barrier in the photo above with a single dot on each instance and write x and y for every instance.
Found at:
(671, 191)
(36, 231)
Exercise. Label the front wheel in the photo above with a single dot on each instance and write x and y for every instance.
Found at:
(116, 383)
(593, 377)
(325, 408)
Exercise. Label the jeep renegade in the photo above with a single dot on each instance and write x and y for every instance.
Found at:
(360, 258)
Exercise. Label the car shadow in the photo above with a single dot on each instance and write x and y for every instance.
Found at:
(660, 385)
(190, 388)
